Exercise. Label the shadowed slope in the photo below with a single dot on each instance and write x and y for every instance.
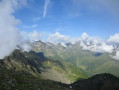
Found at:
(97, 82)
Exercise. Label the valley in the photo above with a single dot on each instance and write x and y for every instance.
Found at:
(89, 62)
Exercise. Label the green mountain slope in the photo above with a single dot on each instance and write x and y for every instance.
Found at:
(10, 80)
(20, 80)
(39, 66)
(110, 67)
(63, 72)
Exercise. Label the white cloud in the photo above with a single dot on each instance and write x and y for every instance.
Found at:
(32, 26)
(31, 36)
(116, 57)
(35, 36)
(45, 8)
(114, 38)
(58, 38)
(9, 34)
(95, 44)
(84, 36)
(25, 47)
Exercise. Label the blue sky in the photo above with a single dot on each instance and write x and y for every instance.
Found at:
(60, 21)
(70, 17)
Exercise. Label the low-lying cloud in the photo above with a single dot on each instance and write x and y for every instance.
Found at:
(10, 36)
(93, 44)
(24, 46)
(62, 39)
(31, 36)
(114, 38)
(116, 56)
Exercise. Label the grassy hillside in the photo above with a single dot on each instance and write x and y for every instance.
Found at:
(110, 67)
(63, 72)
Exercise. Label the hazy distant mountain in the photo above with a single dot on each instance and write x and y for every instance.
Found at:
(90, 62)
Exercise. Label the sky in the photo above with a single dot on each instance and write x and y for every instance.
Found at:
(94, 23)
(70, 17)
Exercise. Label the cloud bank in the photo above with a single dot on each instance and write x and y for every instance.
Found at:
(93, 44)
(116, 56)
(114, 38)
(45, 8)
(58, 38)
(9, 35)
(32, 26)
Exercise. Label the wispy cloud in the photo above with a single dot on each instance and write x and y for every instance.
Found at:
(32, 36)
(36, 19)
(32, 26)
(45, 8)
(110, 6)
(74, 14)
(95, 44)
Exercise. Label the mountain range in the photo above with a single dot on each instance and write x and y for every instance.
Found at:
(56, 67)
(89, 62)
